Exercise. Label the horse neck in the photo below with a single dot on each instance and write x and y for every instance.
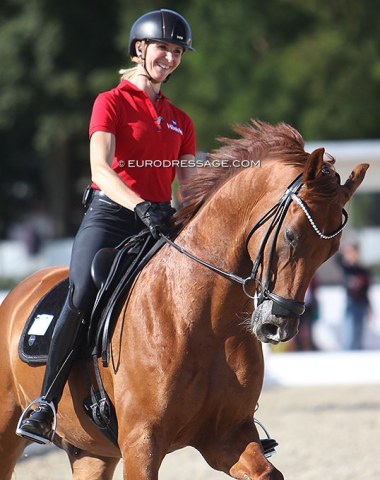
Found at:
(217, 232)
(217, 235)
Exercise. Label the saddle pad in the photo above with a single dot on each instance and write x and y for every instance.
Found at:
(35, 339)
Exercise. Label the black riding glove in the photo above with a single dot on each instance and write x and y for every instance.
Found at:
(154, 216)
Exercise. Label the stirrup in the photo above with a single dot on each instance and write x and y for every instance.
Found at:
(268, 444)
(31, 436)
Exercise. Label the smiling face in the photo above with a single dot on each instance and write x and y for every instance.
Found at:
(161, 59)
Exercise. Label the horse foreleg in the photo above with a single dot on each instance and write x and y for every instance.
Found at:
(142, 451)
(140, 465)
(140, 470)
(238, 453)
(87, 467)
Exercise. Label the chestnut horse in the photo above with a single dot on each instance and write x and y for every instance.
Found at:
(187, 365)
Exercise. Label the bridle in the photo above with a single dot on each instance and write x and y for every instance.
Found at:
(281, 306)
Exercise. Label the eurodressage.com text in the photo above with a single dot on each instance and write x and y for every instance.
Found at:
(196, 163)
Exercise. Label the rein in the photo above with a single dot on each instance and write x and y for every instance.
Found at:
(280, 306)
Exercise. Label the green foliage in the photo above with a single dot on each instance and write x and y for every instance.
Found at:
(51, 73)
(316, 67)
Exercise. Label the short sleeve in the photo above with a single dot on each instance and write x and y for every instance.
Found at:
(188, 146)
(104, 114)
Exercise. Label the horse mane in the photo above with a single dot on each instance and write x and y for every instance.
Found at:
(257, 140)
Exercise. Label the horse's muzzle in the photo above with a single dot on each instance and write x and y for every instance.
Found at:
(270, 328)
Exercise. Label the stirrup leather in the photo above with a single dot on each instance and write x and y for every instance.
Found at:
(31, 436)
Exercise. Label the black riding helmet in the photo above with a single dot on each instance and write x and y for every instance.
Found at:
(162, 25)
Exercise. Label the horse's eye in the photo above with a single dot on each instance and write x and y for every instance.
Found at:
(291, 237)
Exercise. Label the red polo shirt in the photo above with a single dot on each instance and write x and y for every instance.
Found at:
(145, 135)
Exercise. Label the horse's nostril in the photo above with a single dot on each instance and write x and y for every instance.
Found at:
(269, 329)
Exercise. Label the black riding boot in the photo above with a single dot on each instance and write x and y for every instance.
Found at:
(38, 426)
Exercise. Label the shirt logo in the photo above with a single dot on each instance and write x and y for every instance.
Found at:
(173, 126)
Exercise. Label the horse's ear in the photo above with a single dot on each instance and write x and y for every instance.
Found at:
(314, 164)
(354, 180)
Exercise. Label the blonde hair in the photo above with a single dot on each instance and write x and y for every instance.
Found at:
(127, 73)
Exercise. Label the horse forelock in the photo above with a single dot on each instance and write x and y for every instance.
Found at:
(257, 141)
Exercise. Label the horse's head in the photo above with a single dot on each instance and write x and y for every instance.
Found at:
(289, 212)
(301, 234)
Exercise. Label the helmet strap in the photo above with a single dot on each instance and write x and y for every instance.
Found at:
(142, 58)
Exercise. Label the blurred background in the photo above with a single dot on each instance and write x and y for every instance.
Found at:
(315, 65)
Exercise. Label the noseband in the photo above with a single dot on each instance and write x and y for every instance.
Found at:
(281, 306)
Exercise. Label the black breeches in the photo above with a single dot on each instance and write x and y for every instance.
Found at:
(105, 224)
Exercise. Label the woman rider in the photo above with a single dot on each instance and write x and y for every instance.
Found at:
(130, 124)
